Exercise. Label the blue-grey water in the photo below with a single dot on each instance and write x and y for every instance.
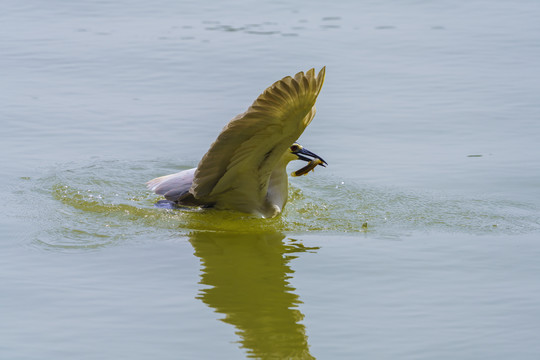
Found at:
(420, 240)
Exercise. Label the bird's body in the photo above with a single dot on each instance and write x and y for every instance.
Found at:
(245, 168)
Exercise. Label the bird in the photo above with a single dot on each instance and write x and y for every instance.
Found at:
(245, 168)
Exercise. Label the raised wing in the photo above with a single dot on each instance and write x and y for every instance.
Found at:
(240, 161)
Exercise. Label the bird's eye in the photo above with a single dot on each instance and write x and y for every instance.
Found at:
(295, 148)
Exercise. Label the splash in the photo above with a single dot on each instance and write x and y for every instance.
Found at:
(107, 202)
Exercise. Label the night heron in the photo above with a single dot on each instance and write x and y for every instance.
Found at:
(245, 168)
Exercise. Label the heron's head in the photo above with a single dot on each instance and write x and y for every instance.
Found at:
(298, 152)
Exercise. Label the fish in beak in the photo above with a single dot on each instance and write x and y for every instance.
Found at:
(306, 155)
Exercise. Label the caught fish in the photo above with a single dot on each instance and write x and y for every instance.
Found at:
(310, 166)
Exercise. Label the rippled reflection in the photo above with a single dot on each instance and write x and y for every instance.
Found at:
(248, 275)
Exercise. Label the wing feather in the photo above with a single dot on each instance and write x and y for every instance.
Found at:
(251, 144)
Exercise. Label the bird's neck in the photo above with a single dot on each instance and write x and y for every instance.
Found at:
(278, 187)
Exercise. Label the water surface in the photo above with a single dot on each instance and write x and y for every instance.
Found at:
(419, 241)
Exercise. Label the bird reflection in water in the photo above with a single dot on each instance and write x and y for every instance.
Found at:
(248, 278)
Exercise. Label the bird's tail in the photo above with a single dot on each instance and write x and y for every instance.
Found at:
(173, 186)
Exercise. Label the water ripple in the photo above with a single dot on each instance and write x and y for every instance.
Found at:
(103, 203)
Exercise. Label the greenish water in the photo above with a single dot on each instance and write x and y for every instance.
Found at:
(109, 199)
(104, 203)
(418, 241)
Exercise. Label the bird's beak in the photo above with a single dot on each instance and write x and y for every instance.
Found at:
(304, 153)
(312, 159)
